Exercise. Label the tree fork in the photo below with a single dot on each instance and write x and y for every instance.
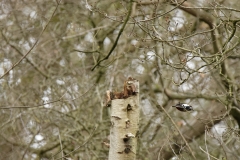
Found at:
(125, 122)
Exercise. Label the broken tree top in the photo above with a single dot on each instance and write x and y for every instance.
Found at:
(130, 88)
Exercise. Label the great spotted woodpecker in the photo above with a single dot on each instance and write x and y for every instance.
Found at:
(183, 107)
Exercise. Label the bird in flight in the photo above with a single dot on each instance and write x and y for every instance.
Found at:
(183, 107)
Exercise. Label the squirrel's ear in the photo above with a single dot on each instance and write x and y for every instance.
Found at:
(133, 87)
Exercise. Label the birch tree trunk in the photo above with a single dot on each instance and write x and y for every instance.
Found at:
(124, 128)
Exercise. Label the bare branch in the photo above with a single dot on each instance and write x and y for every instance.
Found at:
(119, 34)
(34, 45)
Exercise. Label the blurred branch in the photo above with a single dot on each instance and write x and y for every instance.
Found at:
(83, 33)
(235, 112)
(192, 7)
(178, 132)
(232, 34)
(29, 144)
(197, 128)
(188, 95)
(180, 39)
(41, 151)
(58, 100)
(201, 14)
(87, 51)
(23, 57)
(28, 60)
(88, 139)
(209, 155)
(119, 34)
(157, 16)
(234, 56)
(177, 95)
(60, 142)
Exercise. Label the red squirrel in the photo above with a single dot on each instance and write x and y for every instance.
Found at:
(129, 89)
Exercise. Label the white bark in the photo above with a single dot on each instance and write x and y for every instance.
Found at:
(124, 129)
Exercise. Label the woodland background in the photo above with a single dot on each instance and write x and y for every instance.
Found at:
(58, 58)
